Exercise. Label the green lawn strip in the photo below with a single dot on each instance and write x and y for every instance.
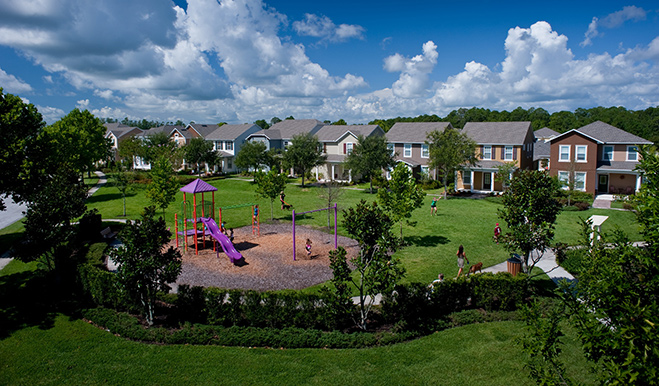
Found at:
(74, 352)
(10, 234)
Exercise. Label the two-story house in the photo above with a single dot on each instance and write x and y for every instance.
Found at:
(497, 143)
(176, 133)
(337, 142)
(227, 140)
(541, 148)
(597, 158)
(408, 141)
(117, 133)
(280, 135)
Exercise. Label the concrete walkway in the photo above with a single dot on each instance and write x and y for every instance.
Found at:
(603, 201)
(547, 263)
(15, 213)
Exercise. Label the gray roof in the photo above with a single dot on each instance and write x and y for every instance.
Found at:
(228, 132)
(119, 130)
(334, 133)
(414, 132)
(497, 133)
(605, 133)
(541, 150)
(289, 128)
(203, 129)
(545, 133)
(336, 158)
(486, 164)
(616, 165)
(167, 129)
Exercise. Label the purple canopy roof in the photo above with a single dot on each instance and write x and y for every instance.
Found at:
(198, 186)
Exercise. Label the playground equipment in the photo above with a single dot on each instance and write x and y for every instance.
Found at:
(256, 225)
(222, 239)
(336, 238)
(204, 209)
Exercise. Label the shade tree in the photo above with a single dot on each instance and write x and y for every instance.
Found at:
(369, 156)
(304, 153)
(450, 150)
(402, 196)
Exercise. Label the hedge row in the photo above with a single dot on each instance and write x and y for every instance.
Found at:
(129, 327)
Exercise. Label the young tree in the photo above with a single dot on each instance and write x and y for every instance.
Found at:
(369, 156)
(20, 125)
(129, 149)
(304, 153)
(252, 156)
(505, 172)
(450, 150)
(402, 196)
(144, 266)
(159, 145)
(269, 185)
(530, 210)
(197, 151)
(122, 181)
(164, 185)
(330, 194)
(376, 270)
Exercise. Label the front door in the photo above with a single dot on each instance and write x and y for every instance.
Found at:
(487, 181)
(603, 183)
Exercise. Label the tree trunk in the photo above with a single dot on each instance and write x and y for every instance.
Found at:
(371, 179)
(303, 173)
(445, 185)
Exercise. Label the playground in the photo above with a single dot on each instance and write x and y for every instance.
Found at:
(268, 260)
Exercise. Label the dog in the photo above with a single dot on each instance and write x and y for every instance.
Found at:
(476, 267)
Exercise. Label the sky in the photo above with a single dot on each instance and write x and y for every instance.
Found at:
(211, 61)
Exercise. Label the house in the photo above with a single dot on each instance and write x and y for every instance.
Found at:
(337, 142)
(117, 133)
(279, 135)
(498, 143)
(179, 134)
(408, 141)
(597, 158)
(541, 148)
(227, 140)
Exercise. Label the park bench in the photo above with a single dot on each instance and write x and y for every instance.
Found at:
(107, 233)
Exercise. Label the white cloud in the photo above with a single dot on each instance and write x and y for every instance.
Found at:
(414, 79)
(613, 20)
(50, 114)
(323, 27)
(82, 104)
(12, 84)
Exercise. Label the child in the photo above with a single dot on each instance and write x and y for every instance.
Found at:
(497, 233)
(255, 217)
(308, 247)
(223, 229)
(440, 278)
(231, 234)
(433, 206)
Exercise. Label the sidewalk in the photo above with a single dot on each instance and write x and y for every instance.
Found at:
(547, 263)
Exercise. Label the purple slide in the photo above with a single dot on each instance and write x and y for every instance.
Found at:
(221, 238)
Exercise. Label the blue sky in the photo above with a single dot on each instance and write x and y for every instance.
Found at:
(238, 61)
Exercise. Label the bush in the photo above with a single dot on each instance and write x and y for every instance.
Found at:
(501, 291)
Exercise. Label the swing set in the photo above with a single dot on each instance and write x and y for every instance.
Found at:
(256, 217)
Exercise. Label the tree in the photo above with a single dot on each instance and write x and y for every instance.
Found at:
(262, 124)
(197, 151)
(129, 149)
(252, 156)
(341, 122)
(122, 181)
(402, 196)
(369, 156)
(377, 270)
(144, 266)
(79, 138)
(274, 120)
(450, 150)
(304, 153)
(530, 210)
(330, 194)
(269, 185)
(164, 185)
(20, 125)
(505, 173)
(159, 145)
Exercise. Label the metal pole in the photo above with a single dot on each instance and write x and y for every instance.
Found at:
(336, 238)
(293, 234)
(176, 227)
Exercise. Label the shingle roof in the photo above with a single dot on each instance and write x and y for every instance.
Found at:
(333, 133)
(289, 128)
(414, 132)
(167, 129)
(228, 132)
(606, 133)
(545, 133)
(118, 129)
(497, 133)
(616, 165)
(203, 129)
(541, 150)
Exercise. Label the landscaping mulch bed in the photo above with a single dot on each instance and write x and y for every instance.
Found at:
(268, 259)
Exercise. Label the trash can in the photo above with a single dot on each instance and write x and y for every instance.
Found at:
(514, 264)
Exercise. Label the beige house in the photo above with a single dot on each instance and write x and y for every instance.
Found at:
(117, 133)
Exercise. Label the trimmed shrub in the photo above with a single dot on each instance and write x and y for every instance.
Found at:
(501, 291)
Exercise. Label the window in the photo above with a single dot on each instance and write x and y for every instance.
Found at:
(425, 152)
(564, 177)
(392, 148)
(228, 145)
(580, 181)
(218, 145)
(564, 153)
(407, 150)
(425, 170)
(580, 152)
(487, 152)
(632, 153)
(286, 143)
(466, 178)
(509, 153)
(230, 163)
(607, 153)
(348, 147)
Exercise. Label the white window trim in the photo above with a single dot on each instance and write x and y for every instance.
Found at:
(228, 144)
(505, 158)
(583, 189)
(635, 152)
(604, 152)
(560, 153)
(566, 180)
(392, 148)
(348, 147)
(466, 178)
(425, 151)
(585, 153)
(487, 147)
(406, 147)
